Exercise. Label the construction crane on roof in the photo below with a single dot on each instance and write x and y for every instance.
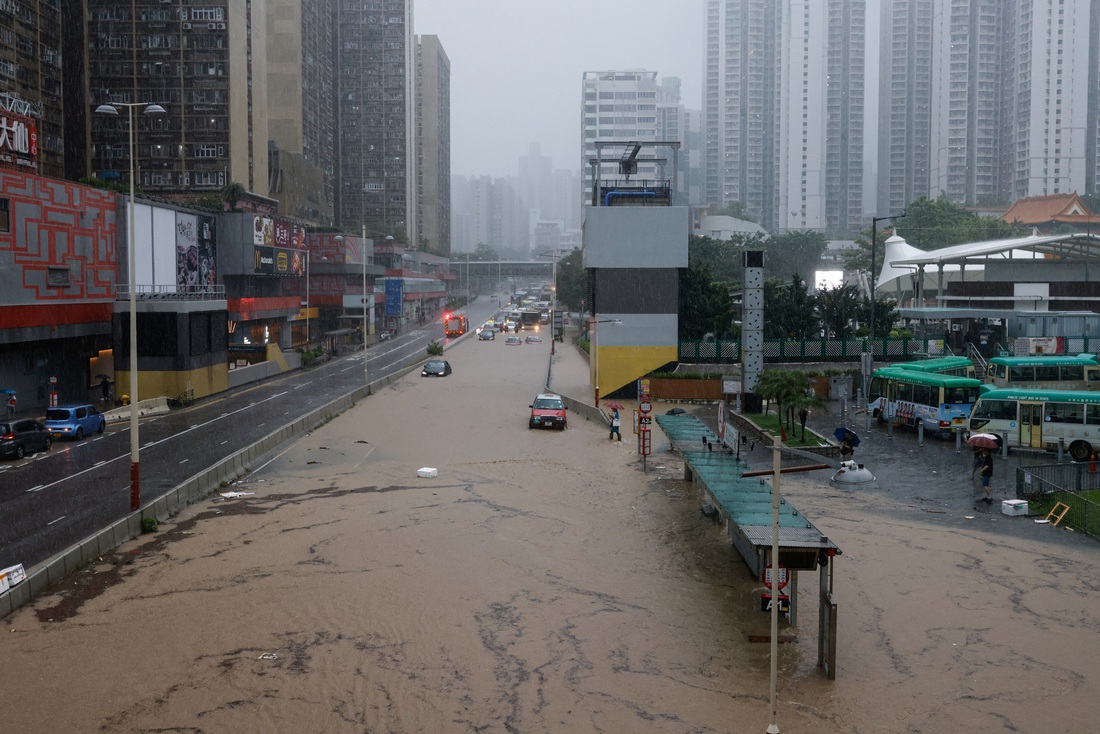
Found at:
(628, 164)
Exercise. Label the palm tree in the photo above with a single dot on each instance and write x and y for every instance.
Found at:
(233, 193)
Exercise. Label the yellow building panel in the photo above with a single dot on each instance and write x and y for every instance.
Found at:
(204, 381)
(620, 366)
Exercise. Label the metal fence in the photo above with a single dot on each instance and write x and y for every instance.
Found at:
(808, 350)
(1042, 486)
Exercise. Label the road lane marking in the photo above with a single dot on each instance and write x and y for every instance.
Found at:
(126, 456)
(51, 522)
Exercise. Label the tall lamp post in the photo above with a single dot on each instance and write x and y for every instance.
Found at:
(135, 465)
(871, 342)
(363, 257)
(553, 255)
(307, 298)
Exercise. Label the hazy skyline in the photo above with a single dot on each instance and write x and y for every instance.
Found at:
(516, 68)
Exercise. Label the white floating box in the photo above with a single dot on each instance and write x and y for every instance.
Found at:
(427, 472)
(1014, 507)
(11, 576)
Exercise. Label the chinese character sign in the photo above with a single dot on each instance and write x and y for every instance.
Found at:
(18, 141)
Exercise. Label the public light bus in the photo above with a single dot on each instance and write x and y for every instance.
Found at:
(1048, 373)
(1040, 418)
(941, 403)
(958, 366)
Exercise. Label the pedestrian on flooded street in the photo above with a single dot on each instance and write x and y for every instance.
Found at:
(987, 474)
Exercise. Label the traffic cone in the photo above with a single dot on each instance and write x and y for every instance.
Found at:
(1092, 463)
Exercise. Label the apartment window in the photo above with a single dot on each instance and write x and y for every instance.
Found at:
(206, 14)
(5, 215)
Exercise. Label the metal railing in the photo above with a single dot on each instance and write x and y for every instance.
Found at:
(806, 350)
(171, 292)
(1076, 485)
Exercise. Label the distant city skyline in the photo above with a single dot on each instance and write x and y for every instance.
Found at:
(516, 69)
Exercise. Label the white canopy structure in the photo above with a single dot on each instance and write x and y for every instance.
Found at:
(1030, 263)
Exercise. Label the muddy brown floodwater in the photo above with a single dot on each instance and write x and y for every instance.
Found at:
(540, 583)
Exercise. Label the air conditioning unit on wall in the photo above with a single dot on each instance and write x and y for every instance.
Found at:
(186, 26)
(221, 26)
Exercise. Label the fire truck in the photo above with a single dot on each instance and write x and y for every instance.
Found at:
(455, 324)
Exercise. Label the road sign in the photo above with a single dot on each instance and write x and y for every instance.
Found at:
(784, 603)
(766, 576)
(645, 420)
(645, 406)
(643, 441)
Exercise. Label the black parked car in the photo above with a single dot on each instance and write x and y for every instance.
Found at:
(436, 368)
(25, 436)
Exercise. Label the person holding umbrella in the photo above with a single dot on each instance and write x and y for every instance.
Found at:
(984, 444)
(848, 442)
(987, 474)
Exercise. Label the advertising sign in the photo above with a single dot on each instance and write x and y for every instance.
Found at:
(395, 293)
(277, 261)
(264, 263)
(18, 141)
(196, 260)
(263, 231)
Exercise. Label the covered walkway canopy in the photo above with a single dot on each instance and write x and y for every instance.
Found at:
(906, 269)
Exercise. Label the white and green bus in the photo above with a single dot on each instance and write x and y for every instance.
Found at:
(1040, 419)
(1061, 372)
(950, 365)
(940, 403)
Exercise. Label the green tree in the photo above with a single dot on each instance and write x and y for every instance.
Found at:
(787, 388)
(794, 253)
(572, 281)
(705, 306)
(723, 257)
(790, 309)
(885, 317)
(839, 310)
(485, 252)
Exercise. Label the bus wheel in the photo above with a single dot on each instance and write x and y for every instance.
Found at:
(1080, 450)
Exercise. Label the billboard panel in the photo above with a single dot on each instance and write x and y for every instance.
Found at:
(196, 254)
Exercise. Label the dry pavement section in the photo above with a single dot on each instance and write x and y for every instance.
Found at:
(542, 583)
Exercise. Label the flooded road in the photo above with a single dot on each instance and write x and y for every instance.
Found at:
(542, 583)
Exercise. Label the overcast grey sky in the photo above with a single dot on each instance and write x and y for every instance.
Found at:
(516, 68)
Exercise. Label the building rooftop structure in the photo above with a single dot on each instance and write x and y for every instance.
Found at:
(1046, 213)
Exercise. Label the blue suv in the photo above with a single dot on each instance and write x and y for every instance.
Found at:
(73, 421)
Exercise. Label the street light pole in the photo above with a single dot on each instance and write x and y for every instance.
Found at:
(135, 462)
(307, 298)
(363, 256)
